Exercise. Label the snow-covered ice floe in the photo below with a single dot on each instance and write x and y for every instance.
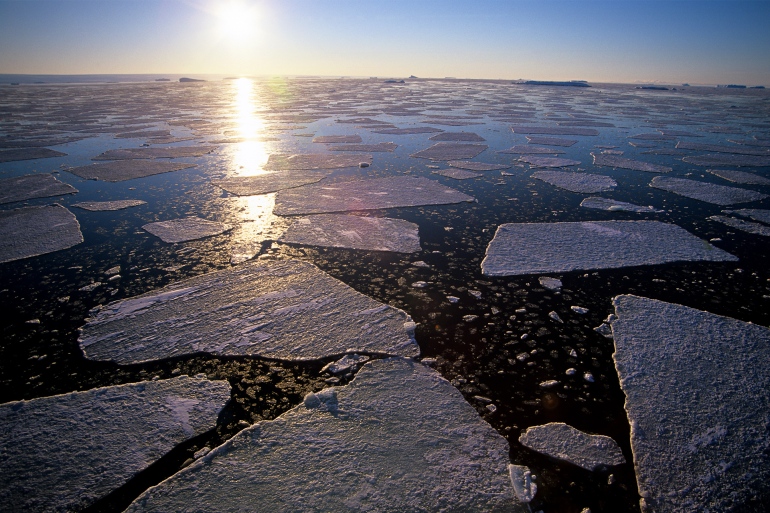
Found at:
(553, 130)
(477, 166)
(530, 149)
(450, 151)
(585, 183)
(41, 185)
(529, 248)
(155, 153)
(564, 442)
(16, 154)
(548, 161)
(280, 162)
(399, 437)
(743, 225)
(704, 191)
(551, 141)
(697, 389)
(756, 214)
(129, 169)
(269, 182)
(354, 232)
(258, 308)
(185, 229)
(457, 174)
(383, 147)
(458, 136)
(739, 176)
(408, 131)
(605, 160)
(64, 452)
(613, 205)
(102, 206)
(32, 231)
(727, 159)
(372, 194)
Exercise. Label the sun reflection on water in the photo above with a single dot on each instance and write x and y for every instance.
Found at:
(250, 153)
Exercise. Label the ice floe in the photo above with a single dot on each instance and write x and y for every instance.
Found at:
(62, 453)
(457, 174)
(550, 141)
(408, 131)
(102, 206)
(704, 191)
(743, 225)
(739, 176)
(530, 248)
(268, 182)
(399, 437)
(354, 232)
(28, 154)
(277, 162)
(334, 139)
(716, 159)
(155, 153)
(458, 136)
(697, 389)
(754, 213)
(552, 130)
(548, 161)
(612, 205)
(257, 308)
(526, 149)
(129, 169)
(373, 194)
(602, 159)
(450, 151)
(721, 148)
(383, 147)
(585, 183)
(564, 442)
(477, 166)
(42, 185)
(31, 231)
(187, 228)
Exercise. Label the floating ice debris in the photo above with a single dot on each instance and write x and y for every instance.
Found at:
(28, 154)
(553, 130)
(739, 176)
(121, 170)
(754, 213)
(399, 437)
(62, 453)
(530, 248)
(458, 136)
(604, 330)
(254, 309)
(346, 363)
(745, 226)
(91, 286)
(419, 284)
(457, 174)
(521, 479)
(453, 299)
(550, 141)
(420, 263)
(155, 153)
(549, 384)
(548, 161)
(373, 194)
(476, 166)
(712, 159)
(612, 205)
(354, 232)
(704, 191)
(570, 372)
(42, 185)
(550, 283)
(720, 148)
(579, 309)
(102, 206)
(577, 182)
(605, 160)
(703, 444)
(31, 231)
(564, 442)
(450, 151)
(470, 317)
(383, 147)
(475, 293)
(408, 131)
(187, 228)
(588, 377)
(526, 149)
(278, 162)
(269, 182)
(337, 139)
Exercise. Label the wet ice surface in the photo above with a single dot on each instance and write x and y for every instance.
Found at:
(697, 404)
(253, 309)
(32, 231)
(269, 182)
(399, 437)
(530, 248)
(624, 163)
(704, 191)
(129, 169)
(188, 228)
(43, 185)
(450, 151)
(457, 174)
(155, 153)
(548, 161)
(337, 139)
(104, 206)
(63, 452)
(398, 191)
(577, 182)
(743, 225)
(278, 162)
(564, 442)
(28, 154)
(354, 232)
(613, 206)
(739, 176)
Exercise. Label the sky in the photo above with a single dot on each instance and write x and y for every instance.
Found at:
(630, 41)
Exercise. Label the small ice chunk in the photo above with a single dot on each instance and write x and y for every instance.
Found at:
(91, 286)
(475, 293)
(564, 442)
(42, 185)
(32, 231)
(570, 372)
(521, 479)
(588, 377)
(743, 225)
(551, 141)
(605, 160)
(741, 177)
(555, 316)
(548, 161)
(476, 166)
(346, 363)
(121, 170)
(269, 182)
(153, 153)
(336, 139)
(105, 206)
(604, 330)
(185, 229)
(704, 191)
(470, 317)
(550, 283)
(17, 154)
(457, 174)
(420, 263)
(279, 162)
(419, 284)
(450, 151)
(579, 309)
(453, 299)
(585, 183)
(549, 384)
(610, 205)
(457, 137)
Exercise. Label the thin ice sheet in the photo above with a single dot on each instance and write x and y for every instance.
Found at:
(32, 231)
(174, 152)
(605, 160)
(450, 151)
(39, 185)
(585, 183)
(269, 182)
(278, 162)
(704, 191)
(185, 229)
(121, 170)
(564, 442)
(103, 206)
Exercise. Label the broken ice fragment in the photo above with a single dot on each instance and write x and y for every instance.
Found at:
(550, 283)
(564, 442)
(457, 174)
(716, 159)
(476, 166)
(129, 169)
(555, 316)
(354, 232)
(344, 364)
(399, 437)
(268, 182)
(62, 453)
(185, 229)
(584, 183)
(696, 404)
(601, 159)
(579, 309)
(28, 154)
(612, 205)
(155, 153)
(745, 226)
(530, 248)
(42, 185)
(704, 191)
(278, 162)
(103, 206)
(31, 231)
(458, 136)
(257, 308)
(739, 176)
(337, 139)
(521, 479)
(450, 151)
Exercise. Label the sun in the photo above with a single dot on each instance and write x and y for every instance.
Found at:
(237, 20)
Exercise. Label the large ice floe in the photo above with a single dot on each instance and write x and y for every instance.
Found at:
(624, 163)
(553, 130)
(399, 437)
(31, 231)
(722, 148)
(613, 205)
(548, 161)
(477, 166)
(354, 232)
(373, 194)
(697, 389)
(585, 183)
(704, 191)
(187, 228)
(550, 141)
(564, 442)
(257, 308)
(129, 169)
(728, 159)
(155, 153)
(102, 206)
(743, 225)
(457, 174)
(42, 185)
(28, 154)
(64, 452)
(458, 136)
(451, 151)
(280, 162)
(531, 149)
(530, 248)
(739, 176)
(269, 182)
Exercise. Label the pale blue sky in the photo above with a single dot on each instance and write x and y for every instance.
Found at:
(696, 41)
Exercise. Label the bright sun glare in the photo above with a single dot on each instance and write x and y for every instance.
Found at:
(237, 20)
